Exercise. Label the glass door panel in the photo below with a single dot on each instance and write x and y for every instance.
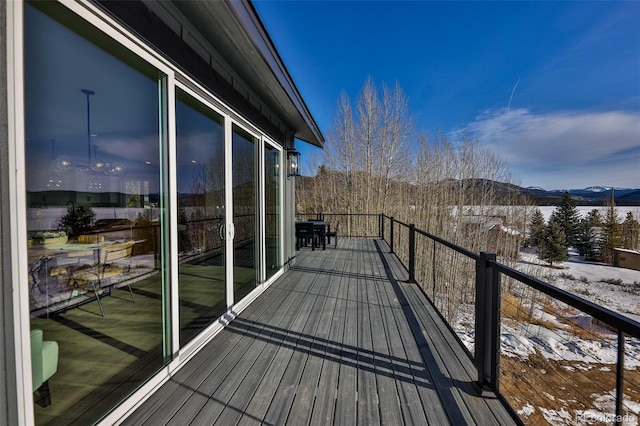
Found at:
(272, 172)
(95, 189)
(245, 212)
(201, 189)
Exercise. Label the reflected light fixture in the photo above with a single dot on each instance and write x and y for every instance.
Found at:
(97, 165)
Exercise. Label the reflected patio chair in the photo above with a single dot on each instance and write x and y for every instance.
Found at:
(109, 267)
(44, 364)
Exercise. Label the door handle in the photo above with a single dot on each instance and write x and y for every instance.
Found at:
(231, 232)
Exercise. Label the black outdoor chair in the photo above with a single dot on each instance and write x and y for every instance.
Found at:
(304, 234)
(332, 233)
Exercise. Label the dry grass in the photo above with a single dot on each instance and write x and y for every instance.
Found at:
(570, 321)
(560, 385)
(568, 386)
(515, 309)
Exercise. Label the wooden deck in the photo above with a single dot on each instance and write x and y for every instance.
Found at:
(339, 339)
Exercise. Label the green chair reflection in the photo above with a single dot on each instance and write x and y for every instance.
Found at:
(44, 364)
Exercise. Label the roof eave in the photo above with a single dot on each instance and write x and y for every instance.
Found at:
(251, 52)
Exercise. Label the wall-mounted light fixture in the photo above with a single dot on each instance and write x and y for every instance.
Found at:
(293, 160)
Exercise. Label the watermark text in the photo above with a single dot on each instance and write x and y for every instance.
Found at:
(606, 418)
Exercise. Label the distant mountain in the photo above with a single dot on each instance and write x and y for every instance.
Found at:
(594, 189)
(592, 195)
(630, 197)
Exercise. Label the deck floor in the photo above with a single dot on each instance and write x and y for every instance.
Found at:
(338, 339)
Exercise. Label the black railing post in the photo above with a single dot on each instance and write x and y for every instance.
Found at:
(391, 236)
(433, 272)
(381, 225)
(412, 253)
(620, 378)
(487, 339)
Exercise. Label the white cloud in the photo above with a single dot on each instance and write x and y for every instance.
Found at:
(565, 149)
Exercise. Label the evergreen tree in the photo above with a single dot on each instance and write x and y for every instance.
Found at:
(567, 217)
(631, 232)
(594, 218)
(536, 229)
(611, 233)
(77, 220)
(554, 247)
(586, 239)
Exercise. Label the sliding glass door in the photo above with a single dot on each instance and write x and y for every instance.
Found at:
(111, 295)
(96, 208)
(200, 151)
(245, 212)
(272, 207)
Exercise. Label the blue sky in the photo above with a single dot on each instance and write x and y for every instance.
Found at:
(553, 86)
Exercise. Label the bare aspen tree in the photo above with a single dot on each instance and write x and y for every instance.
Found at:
(368, 135)
(366, 153)
(375, 162)
(397, 128)
(341, 154)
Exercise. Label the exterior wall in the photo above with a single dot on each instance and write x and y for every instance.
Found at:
(626, 259)
(290, 213)
(15, 369)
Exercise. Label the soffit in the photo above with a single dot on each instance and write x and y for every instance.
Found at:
(236, 32)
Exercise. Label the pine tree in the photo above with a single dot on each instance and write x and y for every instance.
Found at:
(631, 232)
(536, 229)
(77, 220)
(611, 233)
(554, 247)
(594, 218)
(586, 239)
(567, 217)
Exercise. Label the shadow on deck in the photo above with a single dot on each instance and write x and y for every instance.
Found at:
(338, 339)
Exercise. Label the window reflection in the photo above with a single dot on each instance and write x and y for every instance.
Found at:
(244, 212)
(200, 179)
(272, 161)
(94, 215)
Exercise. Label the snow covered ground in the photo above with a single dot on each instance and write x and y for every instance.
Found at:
(615, 288)
(555, 339)
(547, 344)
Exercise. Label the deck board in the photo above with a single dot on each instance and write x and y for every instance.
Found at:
(340, 338)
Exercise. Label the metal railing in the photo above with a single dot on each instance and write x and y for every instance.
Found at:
(356, 225)
(419, 251)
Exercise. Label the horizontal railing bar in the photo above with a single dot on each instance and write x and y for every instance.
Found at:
(614, 319)
(620, 322)
(473, 255)
(350, 214)
(401, 223)
(338, 214)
